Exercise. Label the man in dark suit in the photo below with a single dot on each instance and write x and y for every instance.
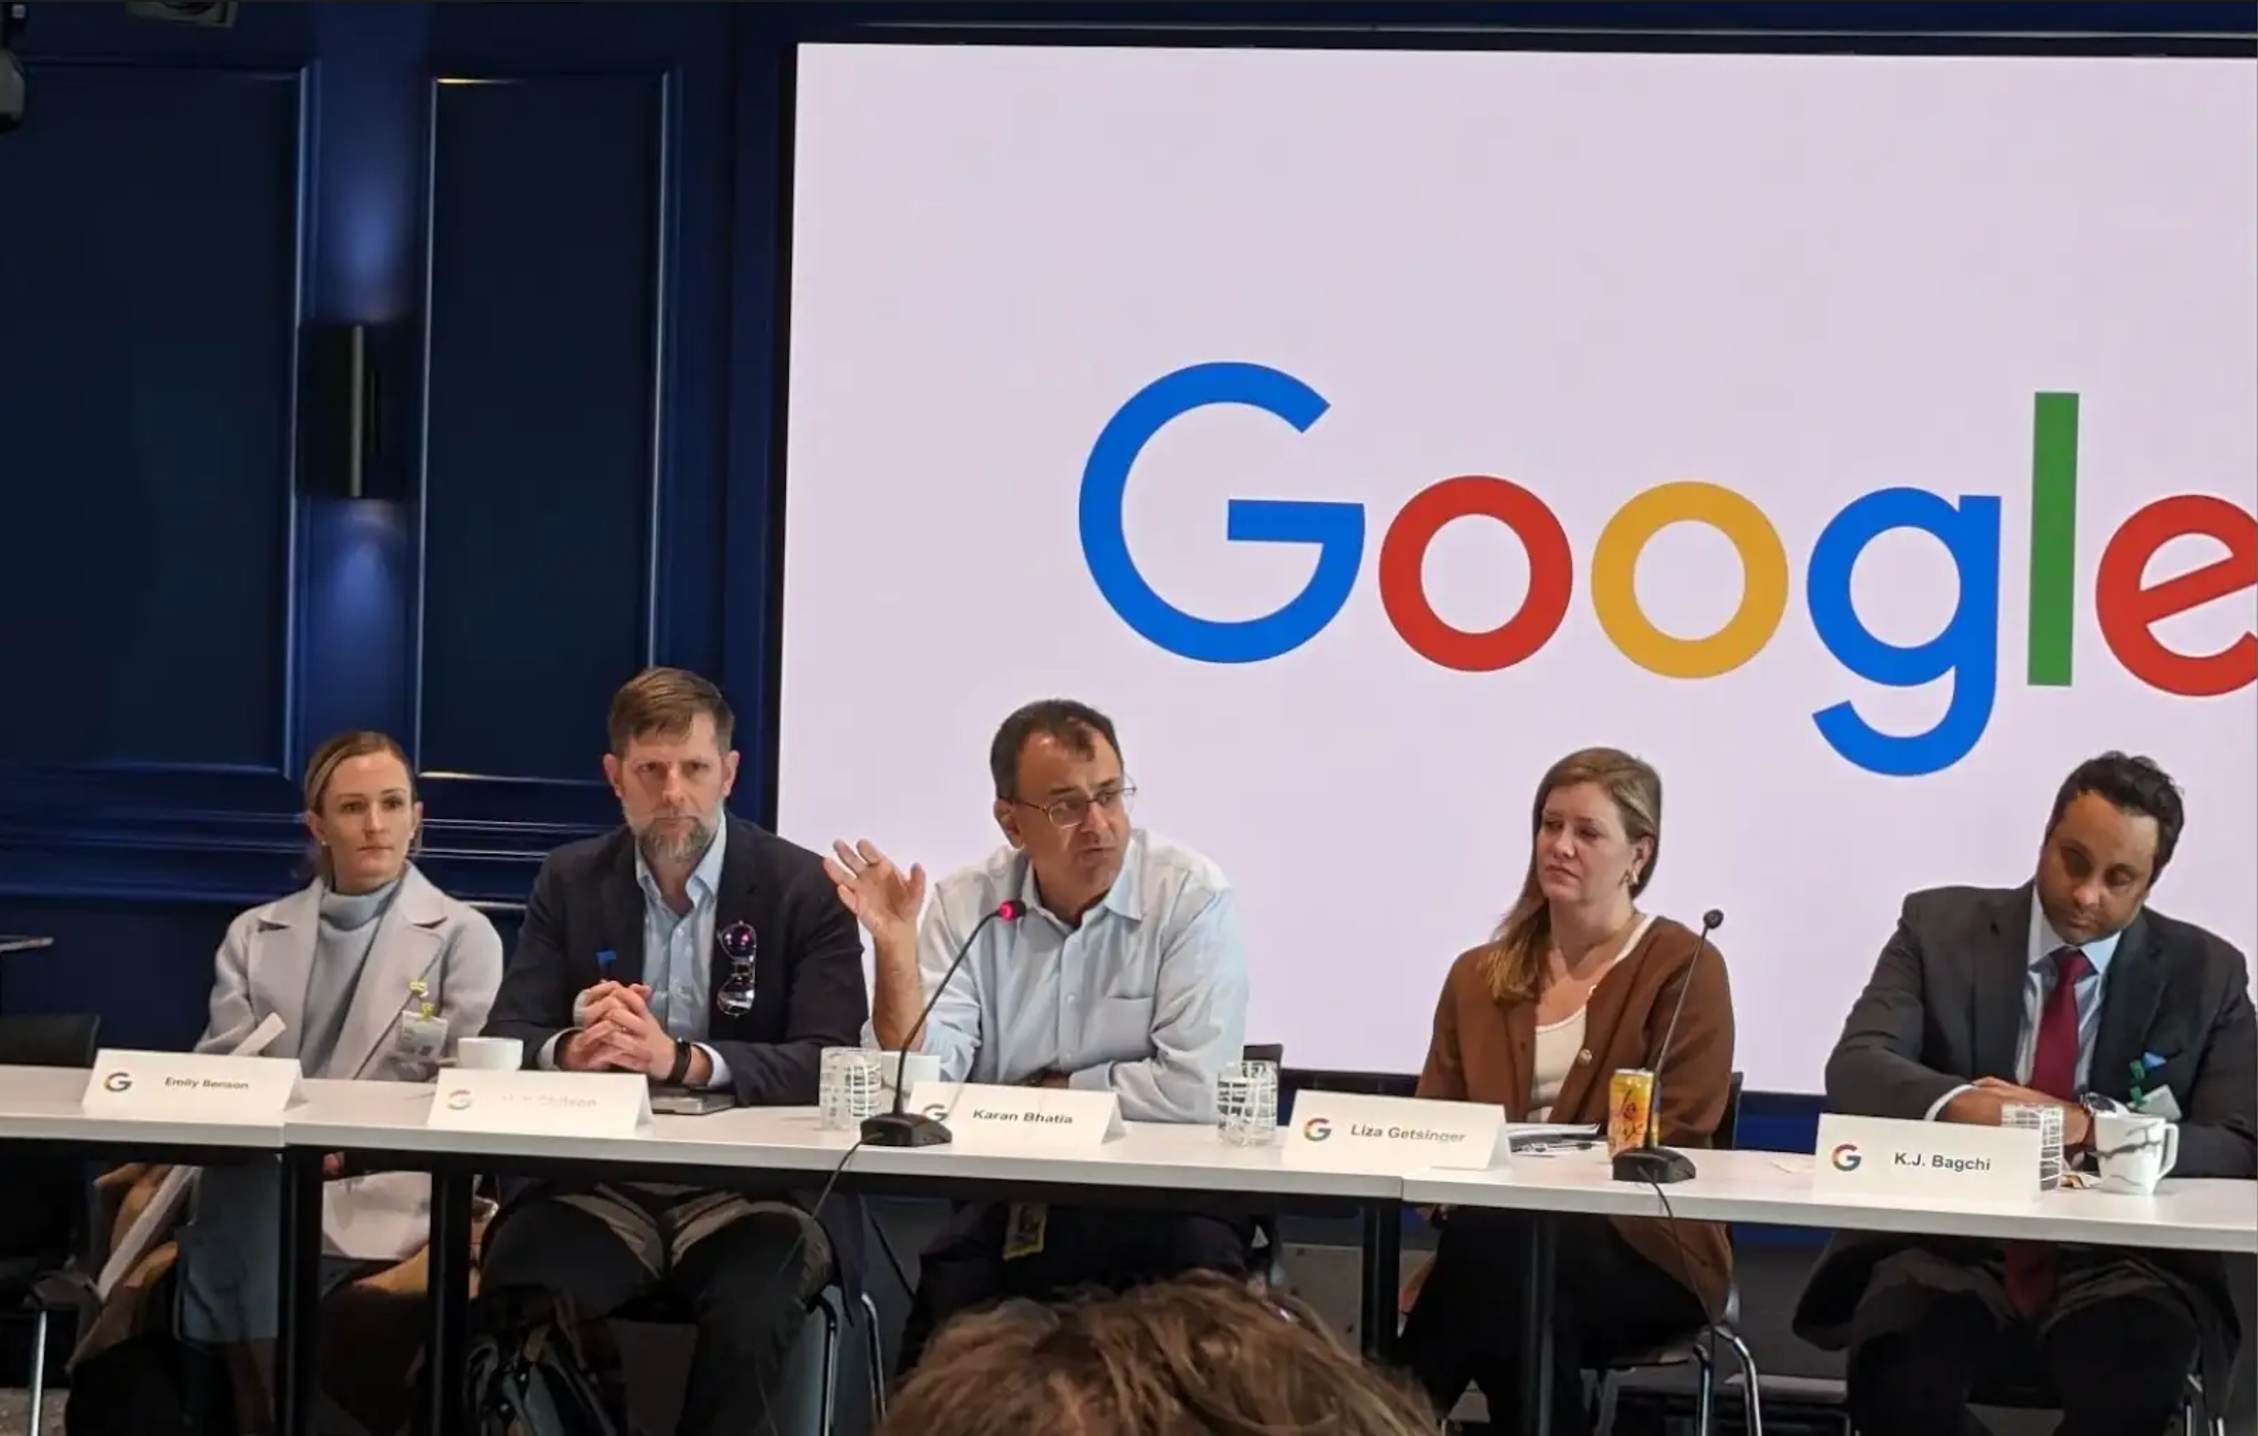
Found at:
(702, 952)
(2056, 993)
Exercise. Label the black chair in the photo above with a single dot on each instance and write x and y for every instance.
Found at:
(43, 1221)
(1697, 1346)
(807, 1403)
(2020, 1389)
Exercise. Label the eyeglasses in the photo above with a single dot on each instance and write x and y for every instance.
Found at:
(1071, 810)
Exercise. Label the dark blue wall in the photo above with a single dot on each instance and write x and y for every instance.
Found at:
(564, 219)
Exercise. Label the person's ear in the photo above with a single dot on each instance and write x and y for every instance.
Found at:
(1007, 818)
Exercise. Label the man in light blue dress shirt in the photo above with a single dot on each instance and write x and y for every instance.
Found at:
(1127, 974)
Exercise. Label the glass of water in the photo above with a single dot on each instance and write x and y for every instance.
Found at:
(2047, 1121)
(1246, 1103)
(848, 1087)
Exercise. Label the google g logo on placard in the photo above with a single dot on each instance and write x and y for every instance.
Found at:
(1845, 1158)
(457, 1100)
(1316, 1129)
(117, 1082)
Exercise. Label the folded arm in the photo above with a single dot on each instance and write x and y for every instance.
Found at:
(2218, 1128)
(1876, 1069)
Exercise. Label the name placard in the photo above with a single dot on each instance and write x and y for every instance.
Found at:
(187, 1087)
(559, 1104)
(1339, 1130)
(1009, 1120)
(1878, 1157)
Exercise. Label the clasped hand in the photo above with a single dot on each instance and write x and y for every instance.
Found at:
(1989, 1099)
(618, 1033)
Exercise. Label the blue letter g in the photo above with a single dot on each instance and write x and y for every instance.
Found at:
(1336, 529)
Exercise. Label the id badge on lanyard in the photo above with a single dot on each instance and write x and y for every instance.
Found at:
(423, 1032)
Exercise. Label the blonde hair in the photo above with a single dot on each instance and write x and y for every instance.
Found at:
(1201, 1353)
(667, 701)
(323, 766)
(1514, 962)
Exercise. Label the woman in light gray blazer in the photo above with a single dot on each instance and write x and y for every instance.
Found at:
(375, 974)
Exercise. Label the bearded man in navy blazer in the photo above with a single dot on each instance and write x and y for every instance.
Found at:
(701, 952)
(2053, 993)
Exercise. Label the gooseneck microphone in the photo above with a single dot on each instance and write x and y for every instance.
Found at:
(914, 1129)
(1653, 1163)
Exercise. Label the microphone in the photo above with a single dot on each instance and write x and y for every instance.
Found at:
(914, 1129)
(1653, 1163)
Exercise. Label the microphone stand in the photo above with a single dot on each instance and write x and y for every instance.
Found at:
(900, 1128)
(1652, 1163)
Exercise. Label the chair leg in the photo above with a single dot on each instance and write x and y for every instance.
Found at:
(1603, 1421)
(1752, 1398)
(877, 1341)
(38, 1370)
(827, 1410)
(1705, 1388)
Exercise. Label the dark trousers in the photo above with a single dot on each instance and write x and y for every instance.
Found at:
(1083, 1249)
(743, 1276)
(1466, 1325)
(2115, 1345)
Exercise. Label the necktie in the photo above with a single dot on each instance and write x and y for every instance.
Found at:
(2031, 1271)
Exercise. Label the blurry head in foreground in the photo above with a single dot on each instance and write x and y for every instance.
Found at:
(1200, 1356)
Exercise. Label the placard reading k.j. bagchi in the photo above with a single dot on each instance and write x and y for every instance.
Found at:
(1876, 1157)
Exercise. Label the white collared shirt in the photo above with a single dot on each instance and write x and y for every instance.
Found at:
(1146, 996)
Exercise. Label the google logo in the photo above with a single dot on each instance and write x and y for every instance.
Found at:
(2126, 606)
(1316, 1129)
(1845, 1158)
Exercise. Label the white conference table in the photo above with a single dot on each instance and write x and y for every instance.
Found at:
(388, 1118)
(383, 1125)
(42, 1104)
(1776, 1189)
(386, 1124)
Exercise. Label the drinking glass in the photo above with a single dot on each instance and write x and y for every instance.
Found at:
(1246, 1103)
(849, 1087)
(2047, 1121)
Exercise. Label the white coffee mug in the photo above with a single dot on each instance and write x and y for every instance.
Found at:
(916, 1067)
(2135, 1151)
(490, 1054)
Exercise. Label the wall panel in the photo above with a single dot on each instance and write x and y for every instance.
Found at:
(147, 361)
(546, 289)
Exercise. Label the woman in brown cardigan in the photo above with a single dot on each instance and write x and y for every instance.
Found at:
(1578, 984)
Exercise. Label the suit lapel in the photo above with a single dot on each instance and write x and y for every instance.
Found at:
(623, 915)
(1520, 1057)
(405, 948)
(282, 961)
(733, 904)
(2001, 958)
(2131, 994)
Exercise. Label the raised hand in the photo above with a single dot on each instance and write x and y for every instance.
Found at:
(883, 899)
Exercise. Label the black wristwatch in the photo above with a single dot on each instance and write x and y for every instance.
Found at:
(683, 1048)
